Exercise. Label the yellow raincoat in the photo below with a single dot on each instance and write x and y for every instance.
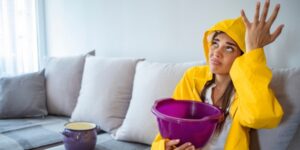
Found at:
(254, 104)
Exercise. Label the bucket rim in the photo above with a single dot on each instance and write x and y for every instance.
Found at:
(160, 115)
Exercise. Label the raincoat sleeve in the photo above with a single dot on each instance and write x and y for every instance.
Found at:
(158, 143)
(257, 106)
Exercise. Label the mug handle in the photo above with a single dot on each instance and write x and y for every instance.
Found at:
(65, 133)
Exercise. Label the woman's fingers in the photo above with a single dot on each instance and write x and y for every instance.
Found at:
(276, 33)
(258, 31)
(256, 15)
(265, 12)
(172, 143)
(191, 148)
(245, 19)
(273, 16)
(185, 146)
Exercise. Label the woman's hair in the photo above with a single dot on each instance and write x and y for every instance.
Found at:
(226, 97)
(225, 100)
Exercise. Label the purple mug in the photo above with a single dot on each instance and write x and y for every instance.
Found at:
(79, 136)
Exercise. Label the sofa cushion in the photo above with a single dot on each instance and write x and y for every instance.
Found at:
(63, 82)
(106, 142)
(295, 144)
(106, 91)
(30, 133)
(152, 81)
(23, 96)
(285, 84)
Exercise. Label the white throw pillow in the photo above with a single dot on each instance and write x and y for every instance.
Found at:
(152, 81)
(105, 91)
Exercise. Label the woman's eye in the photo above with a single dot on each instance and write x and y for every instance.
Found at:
(214, 45)
(229, 49)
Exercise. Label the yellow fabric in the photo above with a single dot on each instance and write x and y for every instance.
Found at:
(234, 28)
(254, 104)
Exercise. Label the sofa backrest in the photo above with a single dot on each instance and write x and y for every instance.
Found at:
(285, 84)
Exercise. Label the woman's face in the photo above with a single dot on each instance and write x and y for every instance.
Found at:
(222, 53)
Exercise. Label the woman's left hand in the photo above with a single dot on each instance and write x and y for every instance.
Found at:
(258, 32)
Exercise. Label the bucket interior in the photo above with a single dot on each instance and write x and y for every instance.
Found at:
(186, 109)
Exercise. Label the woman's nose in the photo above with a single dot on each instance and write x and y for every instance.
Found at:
(218, 52)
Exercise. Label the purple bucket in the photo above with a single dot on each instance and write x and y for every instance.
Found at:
(80, 135)
(187, 120)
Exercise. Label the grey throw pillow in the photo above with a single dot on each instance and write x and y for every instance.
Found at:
(285, 84)
(63, 83)
(23, 96)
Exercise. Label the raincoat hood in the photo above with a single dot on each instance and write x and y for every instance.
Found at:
(234, 28)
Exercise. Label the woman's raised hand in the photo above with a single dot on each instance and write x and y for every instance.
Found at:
(258, 32)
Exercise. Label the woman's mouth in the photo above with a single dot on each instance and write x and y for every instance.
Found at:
(214, 61)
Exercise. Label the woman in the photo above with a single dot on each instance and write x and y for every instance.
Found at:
(236, 80)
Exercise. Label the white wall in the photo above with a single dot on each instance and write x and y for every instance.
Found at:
(159, 30)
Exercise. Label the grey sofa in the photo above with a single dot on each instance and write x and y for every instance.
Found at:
(117, 95)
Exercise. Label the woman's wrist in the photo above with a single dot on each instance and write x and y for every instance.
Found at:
(250, 47)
